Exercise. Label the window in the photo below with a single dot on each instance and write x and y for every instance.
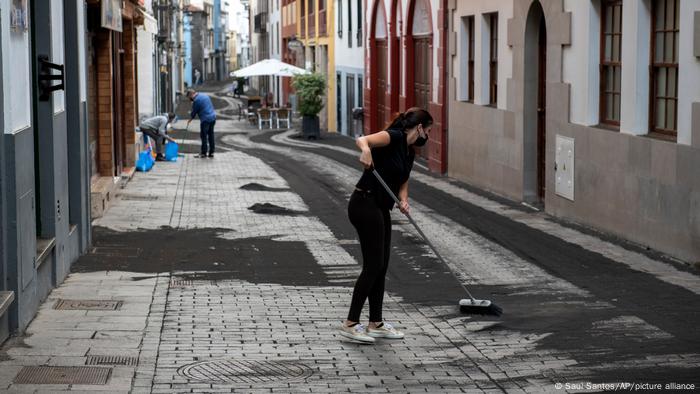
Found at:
(349, 24)
(493, 58)
(470, 59)
(610, 64)
(664, 67)
(340, 18)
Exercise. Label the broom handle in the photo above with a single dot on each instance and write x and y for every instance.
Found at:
(413, 222)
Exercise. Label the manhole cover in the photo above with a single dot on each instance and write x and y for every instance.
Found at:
(110, 360)
(239, 371)
(92, 305)
(63, 375)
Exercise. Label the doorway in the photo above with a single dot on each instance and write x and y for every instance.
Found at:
(535, 106)
(421, 77)
(382, 59)
(350, 103)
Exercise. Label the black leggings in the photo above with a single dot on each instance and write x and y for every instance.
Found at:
(373, 225)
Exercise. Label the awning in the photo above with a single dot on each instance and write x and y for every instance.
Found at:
(150, 24)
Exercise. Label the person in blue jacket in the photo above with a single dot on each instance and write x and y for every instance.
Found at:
(202, 107)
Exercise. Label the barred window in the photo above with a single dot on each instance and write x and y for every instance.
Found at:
(493, 59)
(610, 62)
(664, 67)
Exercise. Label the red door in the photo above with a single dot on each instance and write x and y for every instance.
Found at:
(421, 77)
(382, 60)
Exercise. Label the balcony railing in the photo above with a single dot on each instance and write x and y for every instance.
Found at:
(312, 24)
(322, 25)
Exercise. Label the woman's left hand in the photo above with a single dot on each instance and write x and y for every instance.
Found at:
(403, 206)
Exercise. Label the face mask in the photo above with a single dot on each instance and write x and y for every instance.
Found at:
(420, 141)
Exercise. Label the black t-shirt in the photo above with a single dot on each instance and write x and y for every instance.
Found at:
(394, 163)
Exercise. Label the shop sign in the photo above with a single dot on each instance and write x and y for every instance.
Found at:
(112, 14)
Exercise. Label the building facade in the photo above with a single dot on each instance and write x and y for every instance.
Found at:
(45, 159)
(405, 66)
(590, 109)
(349, 62)
(146, 42)
(315, 30)
(289, 55)
(112, 98)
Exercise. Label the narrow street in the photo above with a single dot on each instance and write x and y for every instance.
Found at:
(233, 274)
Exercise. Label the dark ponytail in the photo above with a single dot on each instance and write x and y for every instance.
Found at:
(411, 118)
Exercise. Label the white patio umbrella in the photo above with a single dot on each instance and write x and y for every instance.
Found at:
(269, 67)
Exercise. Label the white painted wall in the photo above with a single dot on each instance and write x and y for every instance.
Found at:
(81, 51)
(346, 56)
(689, 78)
(57, 50)
(16, 74)
(580, 61)
(146, 79)
(634, 103)
(481, 48)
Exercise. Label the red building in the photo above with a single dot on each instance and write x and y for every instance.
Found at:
(405, 66)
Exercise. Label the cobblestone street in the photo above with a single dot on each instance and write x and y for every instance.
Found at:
(233, 274)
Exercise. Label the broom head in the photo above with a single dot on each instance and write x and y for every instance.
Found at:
(479, 307)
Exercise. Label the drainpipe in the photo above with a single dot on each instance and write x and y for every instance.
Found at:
(217, 38)
(446, 84)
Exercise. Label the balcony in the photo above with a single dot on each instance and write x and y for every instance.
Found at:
(322, 25)
(312, 25)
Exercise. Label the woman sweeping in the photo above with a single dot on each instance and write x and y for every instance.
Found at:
(391, 153)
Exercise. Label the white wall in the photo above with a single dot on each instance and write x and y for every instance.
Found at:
(344, 55)
(689, 75)
(57, 50)
(146, 87)
(580, 61)
(16, 73)
(481, 48)
(82, 72)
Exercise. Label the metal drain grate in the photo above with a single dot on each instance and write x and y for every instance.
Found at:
(110, 360)
(240, 371)
(63, 375)
(90, 305)
(137, 197)
(179, 282)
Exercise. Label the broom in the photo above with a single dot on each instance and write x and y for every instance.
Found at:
(469, 305)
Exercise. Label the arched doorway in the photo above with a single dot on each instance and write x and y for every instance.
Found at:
(419, 40)
(535, 100)
(395, 34)
(379, 55)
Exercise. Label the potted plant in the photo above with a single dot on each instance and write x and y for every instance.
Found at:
(310, 89)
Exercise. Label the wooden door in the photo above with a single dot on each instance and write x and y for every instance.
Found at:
(541, 111)
(118, 102)
(421, 77)
(350, 103)
(382, 62)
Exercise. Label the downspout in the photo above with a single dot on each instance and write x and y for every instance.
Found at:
(446, 85)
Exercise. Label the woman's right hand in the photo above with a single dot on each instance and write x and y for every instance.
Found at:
(366, 158)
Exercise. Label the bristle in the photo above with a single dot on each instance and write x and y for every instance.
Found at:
(492, 309)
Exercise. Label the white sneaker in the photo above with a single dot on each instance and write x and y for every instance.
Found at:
(356, 332)
(384, 330)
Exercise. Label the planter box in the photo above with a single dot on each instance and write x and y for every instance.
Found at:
(310, 127)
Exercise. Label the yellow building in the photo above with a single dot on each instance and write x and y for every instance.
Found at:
(315, 30)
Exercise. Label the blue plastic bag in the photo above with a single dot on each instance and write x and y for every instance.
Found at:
(171, 151)
(145, 161)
